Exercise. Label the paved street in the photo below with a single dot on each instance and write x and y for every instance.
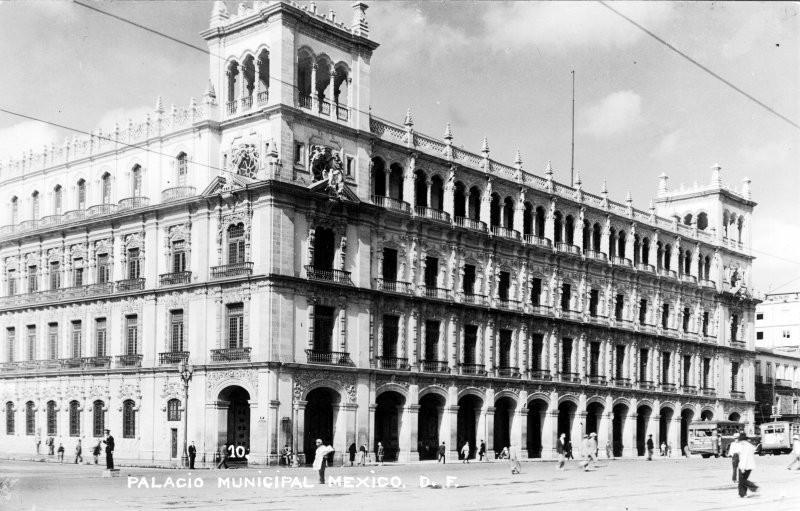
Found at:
(694, 484)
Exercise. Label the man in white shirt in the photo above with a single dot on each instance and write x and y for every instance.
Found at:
(795, 454)
(321, 459)
(747, 462)
(733, 451)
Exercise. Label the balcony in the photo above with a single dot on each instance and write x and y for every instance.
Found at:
(504, 232)
(646, 385)
(103, 288)
(129, 360)
(304, 102)
(779, 382)
(247, 103)
(396, 363)
(342, 113)
(737, 394)
(101, 210)
(393, 286)
(231, 355)
(474, 299)
(50, 220)
(738, 344)
(230, 107)
(507, 372)
(336, 358)
(74, 215)
(689, 279)
(392, 204)
(708, 283)
(649, 268)
(569, 377)
(540, 374)
(709, 392)
(262, 98)
(173, 357)
(668, 273)
(511, 305)
(624, 383)
(622, 261)
(439, 293)
(28, 225)
(568, 249)
(597, 380)
(669, 387)
(538, 309)
(469, 223)
(232, 270)
(573, 315)
(435, 366)
(325, 107)
(172, 279)
(538, 241)
(124, 286)
(133, 203)
(177, 193)
(594, 254)
(472, 369)
(95, 362)
(433, 214)
(339, 276)
(689, 389)
(70, 363)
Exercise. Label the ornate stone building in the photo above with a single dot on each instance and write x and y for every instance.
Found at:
(329, 274)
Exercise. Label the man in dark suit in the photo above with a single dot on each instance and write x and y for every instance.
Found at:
(192, 455)
(442, 453)
(109, 441)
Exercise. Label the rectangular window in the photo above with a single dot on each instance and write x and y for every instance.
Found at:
(391, 331)
(431, 272)
(706, 373)
(594, 301)
(236, 325)
(100, 337)
(759, 336)
(33, 279)
(12, 282)
(687, 315)
(642, 311)
(176, 330)
(103, 269)
(349, 166)
(470, 343)
(665, 316)
(666, 363)
(504, 357)
(620, 361)
(77, 339)
(389, 265)
(566, 355)
(469, 279)
(687, 370)
(705, 322)
(503, 285)
(178, 256)
(536, 291)
(566, 291)
(323, 328)
(55, 275)
(619, 306)
(759, 316)
(769, 372)
(786, 334)
(77, 272)
(31, 342)
(131, 335)
(537, 351)
(52, 341)
(734, 376)
(134, 264)
(431, 340)
(236, 244)
(11, 340)
(594, 359)
(644, 353)
(299, 150)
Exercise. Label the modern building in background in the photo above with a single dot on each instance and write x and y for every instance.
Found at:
(778, 384)
(333, 275)
(778, 321)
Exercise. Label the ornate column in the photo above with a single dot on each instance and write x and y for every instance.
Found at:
(332, 94)
(549, 221)
(409, 190)
(449, 193)
(519, 214)
(314, 91)
(486, 203)
(491, 346)
(630, 246)
(428, 191)
(604, 237)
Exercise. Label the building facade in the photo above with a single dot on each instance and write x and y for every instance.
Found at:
(777, 384)
(778, 321)
(332, 275)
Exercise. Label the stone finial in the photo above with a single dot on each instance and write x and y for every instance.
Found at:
(662, 184)
(448, 134)
(604, 189)
(548, 171)
(159, 105)
(628, 198)
(219, 14)
(314, 7)
(408, 122)
(359, 24)
(746, 188)
(485, 147)
(716, 176)
(209, 96)
(577, 183)
(518, 160)
(652, 207)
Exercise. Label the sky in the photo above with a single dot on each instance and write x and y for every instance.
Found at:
(499, 70)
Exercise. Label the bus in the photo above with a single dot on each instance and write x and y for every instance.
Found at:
(713, 438)
(776, 437)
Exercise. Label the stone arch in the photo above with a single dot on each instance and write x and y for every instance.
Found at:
(344, 396)
(596, 399)
(215, 391)
(472, 391)
(622, 401)
(646, 402)
(538, 396)
(432, 389)
(667, 404)
(391, 387)
(570, 399)
(690, 407)
(509, 394)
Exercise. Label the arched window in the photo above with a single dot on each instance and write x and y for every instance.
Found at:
(612, 242)
(597, 233)
(234, 85)
(646, 251)
(14, 210)
(474, 203)
(437, 194)
(305, 62)
(527, 219)
(236, 243)
(395, 184)
(182, 167)
(621, 241)
(35, 205)
(494, 211)
(687, 262)
(734, 327)
(707, 268)
(687, 220)
(30, 418)
(587, 235)
(98, 418)
(9, 418)
(106, 188)
(558, 227)
(725, 220)
(739, 226)
(174, 410)
(340, 84)
(539, 224)
(508, 213)
(637, 249)
(569, 230)
(378, 177)
(128, 419)
(58, 200)
(74, 419)
(136, 180)
(667, 257)
(52, 421)
(702, 221)
(460, 200)
(81, 189)
(420, 188)
(323, 78)
(262, 82)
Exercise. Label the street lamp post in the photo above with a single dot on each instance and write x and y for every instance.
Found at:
(185, 371)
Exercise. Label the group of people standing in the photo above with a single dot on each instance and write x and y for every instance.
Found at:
(363, 454)
(589, 449)
(96, 450)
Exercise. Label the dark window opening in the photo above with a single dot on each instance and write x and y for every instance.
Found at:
(469, 279)
(323, 328)
(324, 249)
(470, 342)
(389, 264)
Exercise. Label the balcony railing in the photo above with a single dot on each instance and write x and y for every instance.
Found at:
(472, 369)
(737, 394)
(474, 299)
(668, 273)
(74, 215)
(469, 223)
(133, 203)
(398, 363)
(436, 292)
(624, 383)
(103, 288)
(101, 210)
(129, 360)
(647, 385)
(649, 268)
(594, 254)
(232, 270)
(304, 102)
(513, 305)
(540, 374)
(28, 225)
(342, 113)
(231, 354)
(95, 362)
(177, 193)
(568, 249)
(342, 277)
(433, 214)
(597, 380)
(123, 286)
(70, 363)
(709, 392)
(739, 344)
(336, 358)
(504, 232)
(247, 103)
(394, 286)
(570, 377)
(507, 372)
(622, 261)
(390, 203)
(669, 387)
(707, 283)
(262, 98)
(49, 220)
(231, 107)
(573, 315)
(538, 309)
(779, 382)
(171, 279)
(538, 241)
(690, 279)
(325, 107)
(435, 366)
(689, 389)
(173, 357)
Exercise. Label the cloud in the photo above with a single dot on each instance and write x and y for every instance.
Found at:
(20, 138)
(669, 143)
(566, 25)
(121, 115)
(616, 113)
(763, 26)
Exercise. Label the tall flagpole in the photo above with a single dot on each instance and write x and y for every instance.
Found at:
(572, 159)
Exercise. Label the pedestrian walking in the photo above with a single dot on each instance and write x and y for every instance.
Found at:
(663, 449)
(504, 453)
(380, 453)
(192, 456)
(321, 459)
(38, 442)
(78, 452)
(465, 452)
(51, 445)
(352, 450)
(650, 447)
(569, 450)
(795, 454)
(669, 449)
(561, 449)
(747, 462)
(109, 441)
(96, 452)
(734, 451)
(590, 448)
(363, 455)
(482, 452)
(609, 451)
(513, 456)
(223, 456)
(60, 452)
(442, 453)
